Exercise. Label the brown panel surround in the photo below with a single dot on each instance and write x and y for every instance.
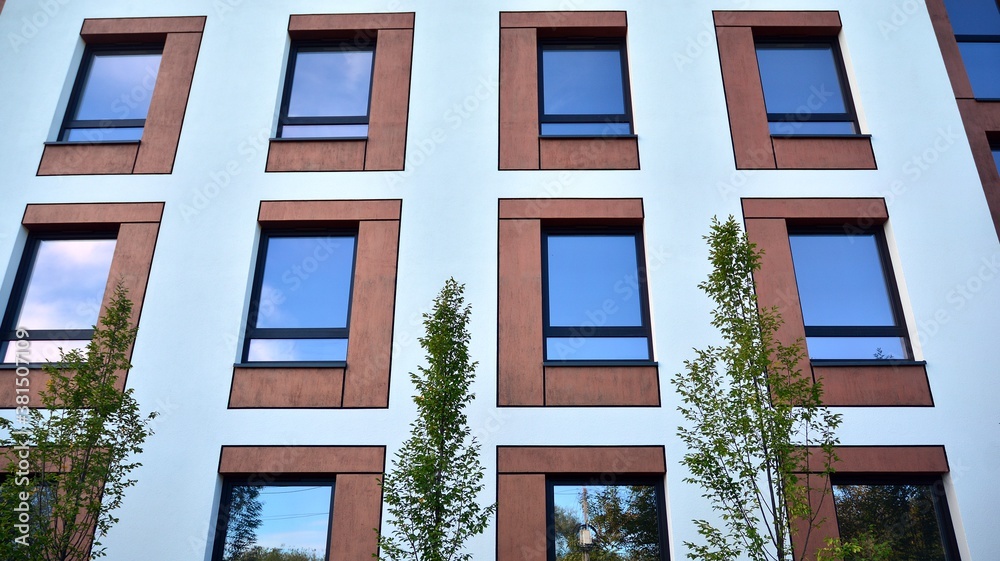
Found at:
(767, 221)
(357, 501)
(522, 379)
(981, 118)
(155, 152)
(137, 225)
(521, 147)
(521, 487)
(753, 145)
(864, 460)
(385, 147)
(364, 383)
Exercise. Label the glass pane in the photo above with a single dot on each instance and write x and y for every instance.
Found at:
(307, 282)
(66, 284)
(974, 17)
(902, 517)
(593, 280)
(812, 127)
(40, 352)
(295, 350)
(597, 348)
(104, 134)
(331, 84)
(586, 129)
(278, 522)
(324, 131)
(840, 280)
(612, 522)
(996, 157)
(857, 348)
(982, 61)
(582, 82)
(800, 79)
(118, 86)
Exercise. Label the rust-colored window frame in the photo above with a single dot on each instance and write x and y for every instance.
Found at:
(385, 147)
(137, 226)
(357, 501)
(754, 146)
(875, 461)
(980, 117)
(364, 382)
(521, 487)
(521, 145)
(524, 379)
(845, 383)
(155, 152)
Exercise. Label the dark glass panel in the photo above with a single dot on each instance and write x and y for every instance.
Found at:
(902, 518)
(331, 83)
(623, 522)
(996, 157)
(982, 64)
(974, 17)
(593, 280)
(800, 79)
(582, 82)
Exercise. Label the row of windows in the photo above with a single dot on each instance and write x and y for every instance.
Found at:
(595, 299)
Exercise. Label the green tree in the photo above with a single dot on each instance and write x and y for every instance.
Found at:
(752, 419)
(432, 488)
(80, 446)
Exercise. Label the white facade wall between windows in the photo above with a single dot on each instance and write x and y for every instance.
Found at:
(941, 237)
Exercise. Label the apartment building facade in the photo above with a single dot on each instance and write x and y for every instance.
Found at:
(284, 188)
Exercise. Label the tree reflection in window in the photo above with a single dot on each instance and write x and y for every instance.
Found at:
(625, 519)
(910, 519)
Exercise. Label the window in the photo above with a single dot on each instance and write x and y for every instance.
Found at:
(280, 519)
(57, 295)
(327, 91)
(909, 514)
(344, 106)
(996, 156)
(584, 89)
(301, 300)
(804, 87)
(595, 296)
(564, 94)
(112, 93)
(976, 24)
(624, 520)
(847, 292)
(788, 98)
(132, 85)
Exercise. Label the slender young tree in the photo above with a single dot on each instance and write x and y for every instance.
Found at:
(431, 492)
(79, 447)
(752, 419)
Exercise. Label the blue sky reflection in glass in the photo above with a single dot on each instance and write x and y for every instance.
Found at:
(974, 17)
(294, 519)
(331, 83)
(118, 86)
(582, 82)
(802, 80)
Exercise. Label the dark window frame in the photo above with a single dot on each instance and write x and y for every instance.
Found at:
(551, 481)
(978, 38)
(850, 115)
(585, 44)
(20, 287)
(938, 496)
(645, 330)
(263, 480)
(83, 73)
(252, 332)
(892, 290)
(286, 95)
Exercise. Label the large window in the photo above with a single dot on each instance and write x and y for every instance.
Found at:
(112, 93)
(57, 296)
(301, 299)
(848, 295)
(977, 29)
(278, 520)
(327, 91)
(595, 304)
(909, 516)
(584, 89)
(617, 522)
(804, 88)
